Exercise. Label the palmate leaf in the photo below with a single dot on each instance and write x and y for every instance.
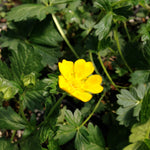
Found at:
(130, 105)
(103, 4)
(140, 77)
(103, 27)
(43, 38)
(66, 132)
(9, 119)
(139, 133)
(29, 11)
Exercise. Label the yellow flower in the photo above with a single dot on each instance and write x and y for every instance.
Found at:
(76, 79)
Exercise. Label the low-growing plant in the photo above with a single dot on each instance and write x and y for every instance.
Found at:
(75, 75)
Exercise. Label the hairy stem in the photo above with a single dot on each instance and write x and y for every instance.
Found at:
(91, 58)
(105, 70)
(64, 36)
(126, 29)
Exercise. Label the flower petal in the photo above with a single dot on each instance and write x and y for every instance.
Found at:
(81, 95)
(92, 84)
(63, 84)
(83, 69)
(66, 69)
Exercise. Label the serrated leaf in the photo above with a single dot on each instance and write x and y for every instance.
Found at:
(139, 133)
(29, 11)
(45, 33)
(95, 138)
(45, 133)
(74, 120)
(103, 4)
(29, 79)
(11, 120)
(140, 77)
(34, 98)
(130, 102)
(103, 27)
(7, 145)
(9, 88)
(144, 31)
(65, 133)
(81, 139)
(31, 143)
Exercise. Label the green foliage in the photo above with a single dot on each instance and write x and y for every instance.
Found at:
(130, 105)
(68, 131)
(139, 77)
(5, 144)
(28, 11)
(103, 27)
(9, 119)
(139, 133)
(42, 32)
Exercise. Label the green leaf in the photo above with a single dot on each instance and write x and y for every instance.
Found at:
(7, 145)
(33, 97)
(95, 137)
(53, 145)
(4, 70)
(103, 27)
(74, 120)
(81, 139)
(45, 33)
(145, 110)
(9, 88)
(144, 31)
(29, 11)
(147, 142)
(65, 133)
(45, 133)
(130, 102)
(31, 143)
(11, 120)
(24, 60)
(140, 77)
(139, 133)
(103, 4)
(29, 79)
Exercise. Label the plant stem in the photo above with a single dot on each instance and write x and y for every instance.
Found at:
(56, 104)
(105, 70)
(126, 29)
(91, 58)
(21, 111)
(119, 49)
(64, 36)
(52, 110)
(13, 134)
(91, 114)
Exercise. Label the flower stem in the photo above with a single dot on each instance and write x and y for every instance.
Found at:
(119, 49)
(126, 29)
(64, 36)
(105, 70)
(91, 114)
(91, 58)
